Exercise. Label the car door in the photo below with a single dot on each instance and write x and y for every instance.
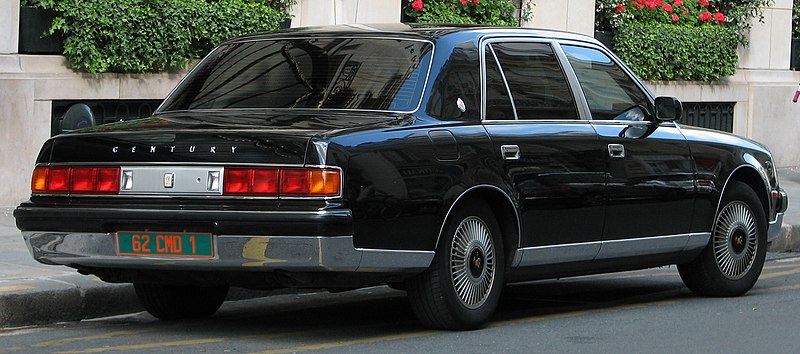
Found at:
(650, 186)
(549, 155)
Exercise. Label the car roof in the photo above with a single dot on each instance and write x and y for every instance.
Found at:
(423, 31)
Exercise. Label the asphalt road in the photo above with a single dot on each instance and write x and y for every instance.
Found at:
(641, 312)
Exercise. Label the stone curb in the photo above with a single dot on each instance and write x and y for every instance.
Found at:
(28, 302)
(787, 241)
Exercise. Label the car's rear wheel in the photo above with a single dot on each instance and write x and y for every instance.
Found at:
(732, 261)
(462, 287)
(170, 302)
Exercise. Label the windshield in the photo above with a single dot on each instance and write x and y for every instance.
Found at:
(309, 73)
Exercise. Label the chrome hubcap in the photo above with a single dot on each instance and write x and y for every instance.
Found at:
(472, 262)
(735, 240)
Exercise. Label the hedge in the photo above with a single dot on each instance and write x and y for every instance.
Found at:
(152, 35)
(669, 52)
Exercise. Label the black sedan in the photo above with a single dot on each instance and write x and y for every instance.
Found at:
(447, 161)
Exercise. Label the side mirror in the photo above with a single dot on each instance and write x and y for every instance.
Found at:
(668, 109)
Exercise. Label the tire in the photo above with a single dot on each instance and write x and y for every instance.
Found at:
(732, 261)
(461, 288)
(172, 302)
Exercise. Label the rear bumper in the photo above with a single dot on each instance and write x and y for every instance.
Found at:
(233, 253)
(250, 241)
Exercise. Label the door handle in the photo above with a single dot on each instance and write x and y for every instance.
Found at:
(510, 152)
(616, 150)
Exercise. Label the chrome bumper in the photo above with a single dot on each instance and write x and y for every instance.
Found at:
(233, 253)
(775, 227)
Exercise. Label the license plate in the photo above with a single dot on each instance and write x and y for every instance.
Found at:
(165, 244)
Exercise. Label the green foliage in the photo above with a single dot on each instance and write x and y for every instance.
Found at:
(668, 52)
(45, 4)
(153, 35)
(796, 19)
(484, 12)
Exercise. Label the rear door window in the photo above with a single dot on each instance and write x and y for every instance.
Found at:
(537, 84)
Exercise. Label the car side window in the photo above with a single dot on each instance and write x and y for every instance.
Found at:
(538, 86)
(610, 92)
(498, 103)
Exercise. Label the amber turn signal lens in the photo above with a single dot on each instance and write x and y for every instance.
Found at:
(39, 180)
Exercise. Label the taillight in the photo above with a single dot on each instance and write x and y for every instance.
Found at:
(288, 182)
(80, 180)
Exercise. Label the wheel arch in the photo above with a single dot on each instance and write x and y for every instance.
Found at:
(505, 211)
(753, 176)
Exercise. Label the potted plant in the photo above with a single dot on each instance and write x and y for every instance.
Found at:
(35, 18)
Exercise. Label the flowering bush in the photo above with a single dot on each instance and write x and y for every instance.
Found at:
(735, 14)
(486, 12)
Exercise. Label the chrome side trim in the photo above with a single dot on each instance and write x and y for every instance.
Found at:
(574, 252)
(642, 246)
(376, 260)
(774, 229)
(233, 252)
(587, 251)
(697, 241)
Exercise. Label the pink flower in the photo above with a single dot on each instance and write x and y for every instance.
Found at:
(678, 2)
(705, 16)
(667, 8)
(675, 18)
(417, 5)
(464, 2)
(620, 8)
(720, 17)
(703, 2)
(685, 12)
(475, 2)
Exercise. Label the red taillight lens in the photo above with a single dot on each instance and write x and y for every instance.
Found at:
(58, 180)
(290, 182)
(294, 182)
(237, 181)
(265, 181)
(108, 180)
(86, 180)
(254, 181)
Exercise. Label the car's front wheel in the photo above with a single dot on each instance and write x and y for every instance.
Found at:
(171, 302)
(732, 261)
(462, 287)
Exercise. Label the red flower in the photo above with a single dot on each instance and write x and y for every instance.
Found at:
(416, 5)
(464, 2)
(678, 2)
(720, 17)
(475, 2)
(675, 18)
(704, 2)
(620, 8)
(705, 16)
(667, 8)
(685, 12)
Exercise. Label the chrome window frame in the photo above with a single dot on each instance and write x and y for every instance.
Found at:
(569, 75)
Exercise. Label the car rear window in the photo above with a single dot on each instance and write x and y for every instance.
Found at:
(309, 73)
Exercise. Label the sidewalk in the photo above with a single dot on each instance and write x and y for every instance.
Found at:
(32, 293)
